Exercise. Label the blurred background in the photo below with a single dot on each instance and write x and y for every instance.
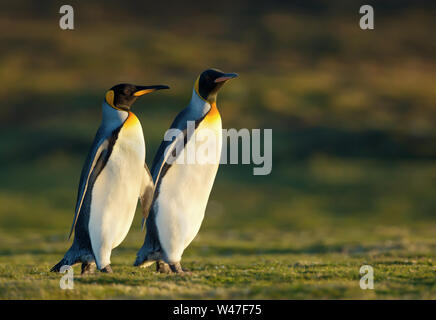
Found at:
(353, 112)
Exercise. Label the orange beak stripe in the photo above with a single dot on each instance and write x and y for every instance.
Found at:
(142, 92)
(221, 79)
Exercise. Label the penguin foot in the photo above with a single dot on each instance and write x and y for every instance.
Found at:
(107, 269)
(88, 268)
(177, 268)
(162, 267)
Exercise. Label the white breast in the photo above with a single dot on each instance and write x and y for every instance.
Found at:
(115, 193)
(183, 196)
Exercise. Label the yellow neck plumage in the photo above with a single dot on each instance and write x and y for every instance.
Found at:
(131, 120)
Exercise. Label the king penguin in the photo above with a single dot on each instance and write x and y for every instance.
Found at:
(182, 188)
(113, 177)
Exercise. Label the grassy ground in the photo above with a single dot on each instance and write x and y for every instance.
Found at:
(295, 265)
(303, 239)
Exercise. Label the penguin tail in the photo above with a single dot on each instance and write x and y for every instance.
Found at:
(57, 267)
(145, 259)
(72, 257)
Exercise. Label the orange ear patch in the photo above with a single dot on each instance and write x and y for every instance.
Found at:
(110, 98)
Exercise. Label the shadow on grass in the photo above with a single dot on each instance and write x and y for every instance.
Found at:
(15, 252)
(145, 276)
(317, 248)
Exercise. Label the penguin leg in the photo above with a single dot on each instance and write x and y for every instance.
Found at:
(162, 267)
(107, 269)
(177, 268)
(88, 268)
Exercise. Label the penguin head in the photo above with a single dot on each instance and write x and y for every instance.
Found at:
(122, 96)
(210, 81)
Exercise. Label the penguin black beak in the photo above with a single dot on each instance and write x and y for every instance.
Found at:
(226, 76)
(148, 89)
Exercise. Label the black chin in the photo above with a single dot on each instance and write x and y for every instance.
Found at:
(123, 107)
(209, 90)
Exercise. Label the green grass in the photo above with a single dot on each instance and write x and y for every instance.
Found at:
(305, 238)
(229, 265)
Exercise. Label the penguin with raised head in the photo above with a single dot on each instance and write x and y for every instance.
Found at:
(182, 188)
(113, 177)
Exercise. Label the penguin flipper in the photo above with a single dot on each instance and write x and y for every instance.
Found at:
(97, 158)
(180, 123)
(146, 196)
(160, 163)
